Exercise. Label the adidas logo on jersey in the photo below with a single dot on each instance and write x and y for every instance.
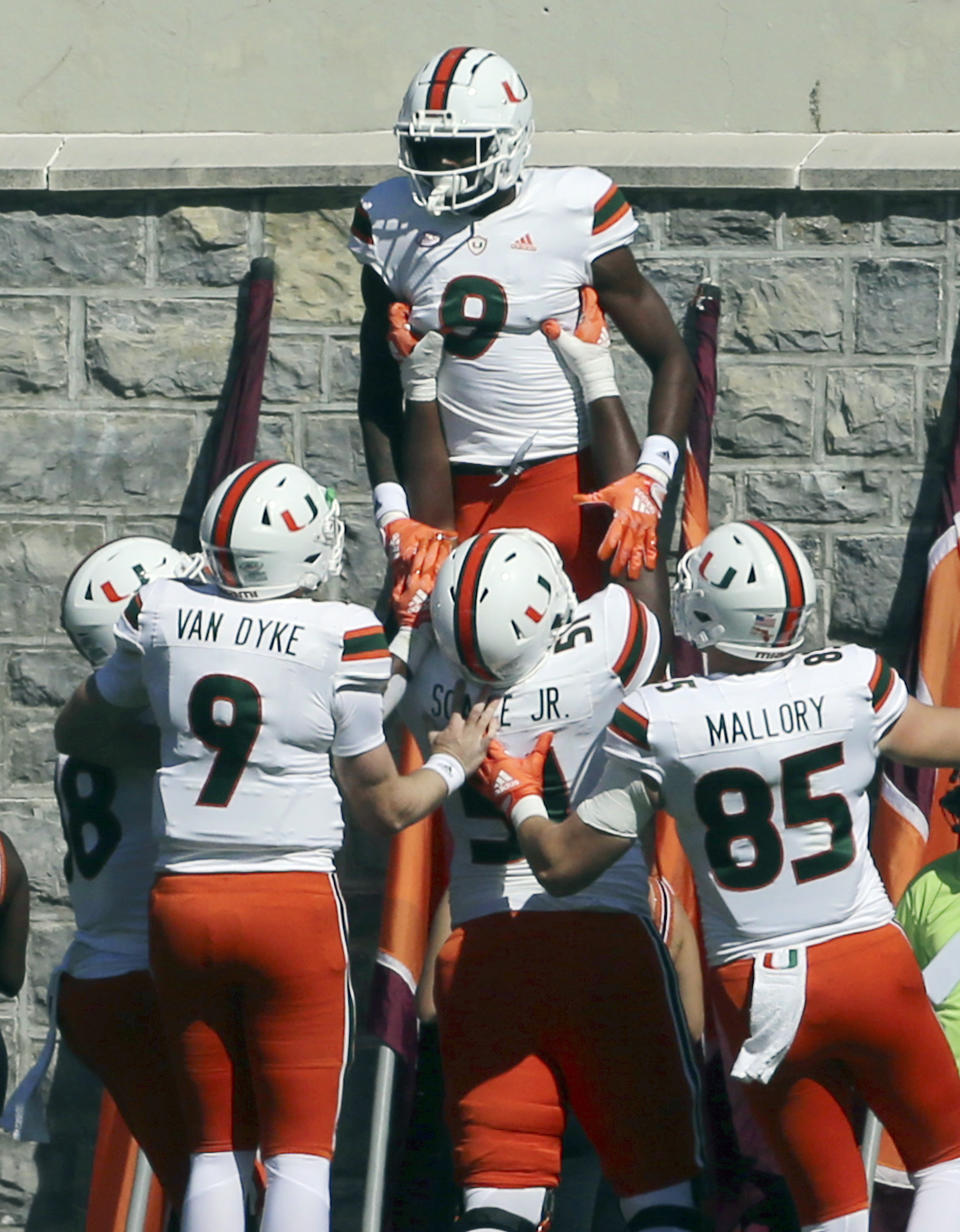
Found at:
(524, 243)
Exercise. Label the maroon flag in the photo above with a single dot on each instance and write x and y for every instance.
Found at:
(232, 436)
(703, 318)
(238, 430)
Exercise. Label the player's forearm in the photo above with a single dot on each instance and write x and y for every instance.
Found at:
(671, 398)
(381, 444)
(92, 730)
(614, 444)
(924, 736)
(426, 466)
(566, 857)
(391, 805)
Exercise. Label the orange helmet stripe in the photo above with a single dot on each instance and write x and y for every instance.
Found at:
(443, 77)
(792, 580)
(465, 605)
(223, 522)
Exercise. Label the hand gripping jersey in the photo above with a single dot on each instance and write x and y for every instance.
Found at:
(109, 865)
(252, 699)
(487, 283)
(611, 641)
(767, 777)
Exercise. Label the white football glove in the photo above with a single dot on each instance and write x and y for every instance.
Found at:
(590, 362)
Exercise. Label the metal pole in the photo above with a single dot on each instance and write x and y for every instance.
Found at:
(870, 1149)
(379, 1141)
(139, 1195)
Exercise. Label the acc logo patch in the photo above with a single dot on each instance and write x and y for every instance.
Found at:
(476, 244)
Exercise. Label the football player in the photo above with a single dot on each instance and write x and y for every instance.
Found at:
(471, 243)
(268, 706)
(107, 1006)
(544, 1004)
(766, 764)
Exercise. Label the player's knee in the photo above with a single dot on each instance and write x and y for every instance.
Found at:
(506, 1210)
(854, 1221)
(309, 1174)
(671, 1209)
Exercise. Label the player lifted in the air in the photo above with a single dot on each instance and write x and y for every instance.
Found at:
(475, 245)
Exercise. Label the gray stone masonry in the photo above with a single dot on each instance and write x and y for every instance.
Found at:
(116, 318)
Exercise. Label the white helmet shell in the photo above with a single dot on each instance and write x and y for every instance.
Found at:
(102, 584)
(748, 589)
(467, 94)
(270, 529)
(501, 600)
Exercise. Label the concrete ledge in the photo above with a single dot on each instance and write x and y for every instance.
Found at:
(901, 162)
(24, 161)
(222, 160)
(682, 160)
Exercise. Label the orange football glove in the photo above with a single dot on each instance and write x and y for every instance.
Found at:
(411, 599)
(419, 356)
(417, 547)
(400, 337)
(636, 500)
(509, 780)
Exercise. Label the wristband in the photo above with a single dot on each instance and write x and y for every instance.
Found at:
(661, 452)
(527, 807)
(389, 502)
(449, 768)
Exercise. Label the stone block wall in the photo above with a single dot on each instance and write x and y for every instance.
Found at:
(116, 319)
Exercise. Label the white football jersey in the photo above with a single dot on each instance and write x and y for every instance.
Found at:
(612, 641)
(487, 283)
(252, 699)
(109, 865)
(767, 776)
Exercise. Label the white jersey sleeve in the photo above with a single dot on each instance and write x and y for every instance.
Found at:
(120, 679)
(633, 633)
(613, 224)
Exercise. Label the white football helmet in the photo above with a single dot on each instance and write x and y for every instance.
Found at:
(101, 585)
(747, 589)
(270, 529)
(501, 600)
(465, 101)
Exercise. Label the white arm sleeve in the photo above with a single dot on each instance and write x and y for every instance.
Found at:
(620, 806)
(120, 679)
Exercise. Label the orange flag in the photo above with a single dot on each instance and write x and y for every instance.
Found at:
(416, 878)
(917, 809)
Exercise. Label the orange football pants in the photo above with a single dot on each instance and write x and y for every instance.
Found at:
(113, 1026)
(867, 1028)
(541, 498)
(253, 979)
(540, 1009)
